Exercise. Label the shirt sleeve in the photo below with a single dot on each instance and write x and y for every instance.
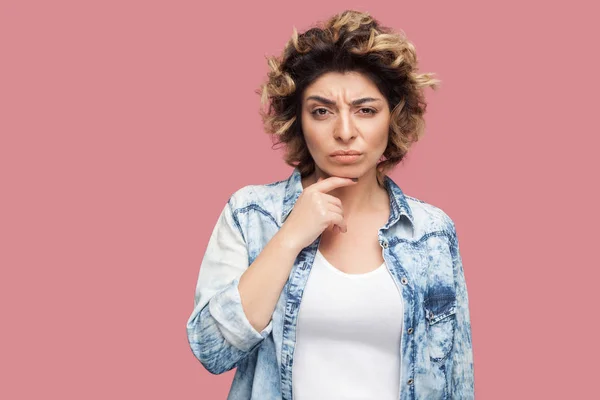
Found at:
(462, 377)
(218, 330)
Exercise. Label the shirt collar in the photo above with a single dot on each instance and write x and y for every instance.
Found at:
(398, 204)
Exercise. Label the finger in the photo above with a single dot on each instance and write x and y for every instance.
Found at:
(331, 183)
(335, 228)
(340, 230)
(335, 208)
(338, 219)
(332, 199)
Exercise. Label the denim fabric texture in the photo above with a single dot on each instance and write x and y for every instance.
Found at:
(420, 248)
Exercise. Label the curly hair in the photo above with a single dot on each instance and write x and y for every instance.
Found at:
(348, 41)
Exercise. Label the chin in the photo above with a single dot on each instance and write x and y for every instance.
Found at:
(347, 171)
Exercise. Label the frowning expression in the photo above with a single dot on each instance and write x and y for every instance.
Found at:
(345, 112)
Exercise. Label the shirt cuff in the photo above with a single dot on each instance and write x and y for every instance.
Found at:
(226, 308)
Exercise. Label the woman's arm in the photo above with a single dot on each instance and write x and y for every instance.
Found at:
(261, 285)
(222, 328)
(462, 378)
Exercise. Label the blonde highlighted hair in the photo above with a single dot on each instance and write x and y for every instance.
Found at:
(348, 41)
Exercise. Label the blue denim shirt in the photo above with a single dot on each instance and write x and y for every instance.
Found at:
(420, 248)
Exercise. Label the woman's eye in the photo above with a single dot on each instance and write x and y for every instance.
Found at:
(369, 110)
(317, 111)
(324, 111)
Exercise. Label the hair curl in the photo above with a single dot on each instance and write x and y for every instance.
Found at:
(348, 41)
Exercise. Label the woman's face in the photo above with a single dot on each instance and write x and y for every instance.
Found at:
(345, 111)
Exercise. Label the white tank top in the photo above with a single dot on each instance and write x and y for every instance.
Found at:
(348, 335)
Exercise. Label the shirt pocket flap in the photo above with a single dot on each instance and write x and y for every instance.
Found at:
(438, 308)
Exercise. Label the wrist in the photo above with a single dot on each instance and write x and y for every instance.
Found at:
(287, 241)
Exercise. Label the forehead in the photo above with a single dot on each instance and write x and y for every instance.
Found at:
(350, 84)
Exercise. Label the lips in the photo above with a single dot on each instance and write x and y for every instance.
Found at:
(348, 157)
(345, 153)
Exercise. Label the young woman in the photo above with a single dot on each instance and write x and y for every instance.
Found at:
(333, 283)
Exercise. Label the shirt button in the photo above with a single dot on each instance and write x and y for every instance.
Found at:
(410, 330)
(385, 245)
(404, 281)
(410, 381)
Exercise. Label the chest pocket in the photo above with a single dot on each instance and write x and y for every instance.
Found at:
(440, 313)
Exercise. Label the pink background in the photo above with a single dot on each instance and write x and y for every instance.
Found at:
(126, 125)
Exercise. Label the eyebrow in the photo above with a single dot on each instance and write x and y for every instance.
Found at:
(333, 103)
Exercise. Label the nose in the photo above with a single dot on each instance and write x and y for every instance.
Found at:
(345, 129)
